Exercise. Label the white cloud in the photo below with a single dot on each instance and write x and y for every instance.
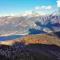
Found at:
(43, 7)
(28, 12)
(58, 3)
(37, 7)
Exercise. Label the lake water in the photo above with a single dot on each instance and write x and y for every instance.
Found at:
(2, 38)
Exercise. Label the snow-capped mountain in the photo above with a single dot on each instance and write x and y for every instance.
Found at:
(22, 24)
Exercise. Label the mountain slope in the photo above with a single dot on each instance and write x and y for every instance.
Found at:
(30, 52)
(33, 39)
(22, 24)
(41, 39)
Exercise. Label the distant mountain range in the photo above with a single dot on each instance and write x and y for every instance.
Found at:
(27, 23)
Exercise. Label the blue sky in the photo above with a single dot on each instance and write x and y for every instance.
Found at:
(19, 6)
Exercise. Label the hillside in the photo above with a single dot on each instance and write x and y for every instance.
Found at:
(34, 39)
(41, 39)
(31, 47)
(30, 52)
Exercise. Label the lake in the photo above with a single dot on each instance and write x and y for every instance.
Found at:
(10, 37)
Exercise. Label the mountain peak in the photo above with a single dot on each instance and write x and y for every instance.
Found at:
(33, 13)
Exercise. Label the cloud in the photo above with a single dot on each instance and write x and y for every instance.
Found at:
(58, 3)
(43, 7)
(27, 12)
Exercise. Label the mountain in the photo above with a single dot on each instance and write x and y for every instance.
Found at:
(23, 24)
(40, 41)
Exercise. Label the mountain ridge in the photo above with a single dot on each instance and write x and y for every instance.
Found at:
(22, 24)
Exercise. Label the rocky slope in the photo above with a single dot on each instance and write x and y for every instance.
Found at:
(30, 52)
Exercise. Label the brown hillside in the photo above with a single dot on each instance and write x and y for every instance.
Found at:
(33, 39)
(40, 38)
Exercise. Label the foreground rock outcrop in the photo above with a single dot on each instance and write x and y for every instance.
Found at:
(29, 52)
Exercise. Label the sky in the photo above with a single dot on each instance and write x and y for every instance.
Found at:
(9, 7)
